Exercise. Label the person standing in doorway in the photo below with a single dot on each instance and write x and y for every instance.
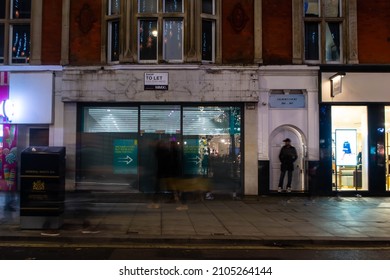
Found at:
(287, 156)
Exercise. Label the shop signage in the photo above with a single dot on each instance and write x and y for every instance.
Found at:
(125, 156)
(287, 101)
(156, 81)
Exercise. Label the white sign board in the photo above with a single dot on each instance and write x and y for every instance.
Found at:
(31, 94)
(156, 81)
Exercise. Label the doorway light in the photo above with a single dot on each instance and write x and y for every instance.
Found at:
(336, 86)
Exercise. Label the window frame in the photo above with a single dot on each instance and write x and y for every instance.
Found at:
(191, 17)
(322, 20)
(9, 22)
(213, 19)
(109, 18)
(160, 16)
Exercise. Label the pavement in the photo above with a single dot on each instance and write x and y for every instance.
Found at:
(280, 219)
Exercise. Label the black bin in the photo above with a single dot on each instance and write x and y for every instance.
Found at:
(42, 187)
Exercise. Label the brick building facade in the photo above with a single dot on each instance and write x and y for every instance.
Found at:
(260, 70)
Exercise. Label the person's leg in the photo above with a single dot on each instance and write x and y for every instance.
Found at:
(289, 179)
(183, 201)
(281, 179)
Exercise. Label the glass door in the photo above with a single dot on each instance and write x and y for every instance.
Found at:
(159, 127)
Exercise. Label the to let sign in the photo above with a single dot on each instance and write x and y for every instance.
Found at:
(156, 81)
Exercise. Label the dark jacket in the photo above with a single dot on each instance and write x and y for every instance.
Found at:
(287, 156)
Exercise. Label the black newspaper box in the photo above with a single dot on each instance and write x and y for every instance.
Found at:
(42, 187)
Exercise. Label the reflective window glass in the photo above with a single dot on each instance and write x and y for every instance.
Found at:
(114, 7)
(211, 143)
(113, 37)
(2, 9)
(332, 8)
(208, 40)
(20, 43)
(148, 39)
(21, 9)
(311, 41)
(311, 8)
(208, 7)
(173, 40)
(147, 6)
(332, 47)
(110, 119)
(163, 119)
(173, 6)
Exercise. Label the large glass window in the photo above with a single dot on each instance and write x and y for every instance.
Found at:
(108, 146)
(170, 18)
(160, 119)
(15, 31)
(349, 148)
(160, 31)
(212, 145)
(323, 21)
(117, 147)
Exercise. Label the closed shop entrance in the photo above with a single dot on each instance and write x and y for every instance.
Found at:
(117, 145)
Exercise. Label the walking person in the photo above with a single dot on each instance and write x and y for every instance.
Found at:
(287, 156)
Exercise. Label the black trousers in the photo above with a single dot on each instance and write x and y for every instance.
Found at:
(289, 178)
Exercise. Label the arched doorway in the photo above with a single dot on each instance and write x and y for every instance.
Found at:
(298, 140)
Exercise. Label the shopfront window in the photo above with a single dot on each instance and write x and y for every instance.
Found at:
(212, 145)
(118, 146)
(349, 148)
(108, 146)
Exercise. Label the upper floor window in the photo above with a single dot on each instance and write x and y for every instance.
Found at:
(15, 25)
(152, 31)
(113, 24)
(166, 22)
(208, 30)
(323, 31)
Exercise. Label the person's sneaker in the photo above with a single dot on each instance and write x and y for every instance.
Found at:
(279, 189)
(91, 231)
(50, 232)
(288, 189)
(209, 196)
(182, 207)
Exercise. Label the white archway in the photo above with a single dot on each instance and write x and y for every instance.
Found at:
(298, 140)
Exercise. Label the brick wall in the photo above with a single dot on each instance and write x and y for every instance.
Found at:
(85, 32)
(373, 31)
(51, 32)
(237, 32)
(277, 32)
